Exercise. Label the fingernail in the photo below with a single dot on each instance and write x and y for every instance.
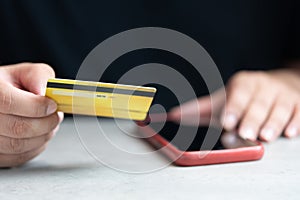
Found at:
(292, 132)
(61, 116)
(52, 107)
(267, 134)
(230, 121)
(248, 133)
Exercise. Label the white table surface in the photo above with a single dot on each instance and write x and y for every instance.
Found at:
(67, 171)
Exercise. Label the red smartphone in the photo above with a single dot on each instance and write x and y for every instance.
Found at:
(191, 145)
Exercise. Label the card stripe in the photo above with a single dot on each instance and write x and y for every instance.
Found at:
(99, 89)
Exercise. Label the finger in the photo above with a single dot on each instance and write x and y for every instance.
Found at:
(203, 107)
(256, 114)
(15, 160)
(191, 109)
(19, 102)
(21, 127)
(293, 129)
(276, 122)
(17, 146)
(239, 94)
(33, 77)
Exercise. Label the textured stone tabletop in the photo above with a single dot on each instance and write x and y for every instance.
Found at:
(67, 171)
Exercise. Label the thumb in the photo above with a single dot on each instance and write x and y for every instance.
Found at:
(33, 77)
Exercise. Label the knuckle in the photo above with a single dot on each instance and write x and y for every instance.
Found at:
(237, 82)
(248, 77)
(237, 100)
(242, 75)
(16, 145)
(19, 127)
(260, 76)
(261, 104)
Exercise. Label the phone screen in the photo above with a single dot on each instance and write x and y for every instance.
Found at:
(192, 138)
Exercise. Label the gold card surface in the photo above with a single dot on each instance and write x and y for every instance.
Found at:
(101, 99)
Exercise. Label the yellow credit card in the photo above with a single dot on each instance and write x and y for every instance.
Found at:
(101, 99)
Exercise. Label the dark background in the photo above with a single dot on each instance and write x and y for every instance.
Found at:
(238, 35)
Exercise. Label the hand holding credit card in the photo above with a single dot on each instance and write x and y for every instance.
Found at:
(101, 99)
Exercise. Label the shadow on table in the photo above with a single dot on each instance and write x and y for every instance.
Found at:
(34, 168)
